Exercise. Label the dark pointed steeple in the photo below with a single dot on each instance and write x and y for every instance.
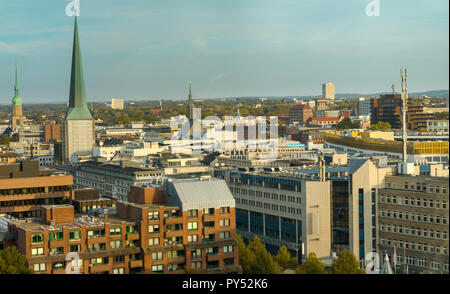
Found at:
(77, 98)
(190, 104)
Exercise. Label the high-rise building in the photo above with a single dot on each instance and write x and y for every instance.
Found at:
(328, 91)
(78, 126)
(17, 117)
(52, 132)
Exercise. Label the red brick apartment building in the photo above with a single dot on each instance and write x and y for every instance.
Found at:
(188, 226)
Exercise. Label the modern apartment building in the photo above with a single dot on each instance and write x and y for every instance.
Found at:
(23, 188)
(282, 209)
(413, 221)
(186, 227)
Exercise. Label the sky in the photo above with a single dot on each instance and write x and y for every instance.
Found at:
(151, 49)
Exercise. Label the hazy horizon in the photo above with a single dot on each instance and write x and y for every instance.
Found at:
(150, 50)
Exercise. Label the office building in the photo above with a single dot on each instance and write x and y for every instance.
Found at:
(23, 188)
(113, 180)
(364, 106)
(282, 209)
(413, 219)
(300, 114)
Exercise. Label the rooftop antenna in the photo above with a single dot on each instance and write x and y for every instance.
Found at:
(404, 106)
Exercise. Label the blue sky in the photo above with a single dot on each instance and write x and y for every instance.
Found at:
(151, 49)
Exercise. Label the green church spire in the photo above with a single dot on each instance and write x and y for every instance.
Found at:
(16, 99)
(77, 98)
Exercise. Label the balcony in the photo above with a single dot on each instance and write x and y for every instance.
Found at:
(134, 263)
(133, 236)
(99, 267)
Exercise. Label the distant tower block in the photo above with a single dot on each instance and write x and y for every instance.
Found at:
(328, 91)
(78, 125)
(117, 104)
(17, 118)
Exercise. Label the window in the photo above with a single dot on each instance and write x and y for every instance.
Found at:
(196, 253)
(192, 226)
(224, 235)
(418, 217)
(406, 185)
(37, 238)
(75, 248)
(382, 199)
(208, 211)
(424, 203)
(437, 204)
(224, 222)
(444, 220)
(39, 267)
(430, 218)
(157, 268)
(425, 218)
(431, 188)
(114, 231)
(37, 251)
(156, 256)
(444, 235)
(444, 191)
(437, 190)
(153, 215)
(196, 264)
(394, 200)
(115, 244)
(425, 232)
(119, 259)
(228, 249)
(56, 236)
(388, 199)
(406, 201)
(192, 238)
(175, 253)
(153, 241)
(119, 271)
(411, 216)
(153, 229)
(412, 201)
(224, 210)
(192, 213)
(431, 204)
(444, 204)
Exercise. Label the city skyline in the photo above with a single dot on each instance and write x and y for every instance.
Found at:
(227, 50)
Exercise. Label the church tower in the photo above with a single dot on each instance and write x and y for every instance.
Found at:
(78, 125)
(17, 117)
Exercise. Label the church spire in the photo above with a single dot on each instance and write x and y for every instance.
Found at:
(77, 97)
(16, 99)
(190, 104)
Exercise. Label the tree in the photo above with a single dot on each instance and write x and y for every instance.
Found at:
(246, 258)
(13, 262)
(346, 263)
(255, 259)
(381, 125)
(263, 261)
(312, 265)
(346, 123)
(284, 259)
